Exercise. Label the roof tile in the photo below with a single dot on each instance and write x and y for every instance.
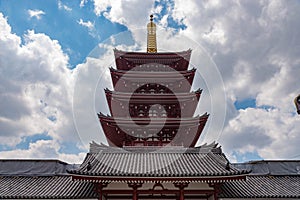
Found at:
(176, 162)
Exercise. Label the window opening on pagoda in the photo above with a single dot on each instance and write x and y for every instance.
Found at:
(141, 113)
(153, 113)
(164, 113)
(166, 138)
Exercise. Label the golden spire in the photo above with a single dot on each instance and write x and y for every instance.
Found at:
(151, 36)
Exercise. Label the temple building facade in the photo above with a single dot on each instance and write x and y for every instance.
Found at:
(152, 131)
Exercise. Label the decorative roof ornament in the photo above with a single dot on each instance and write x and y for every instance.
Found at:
(151, 36)
(297, 103)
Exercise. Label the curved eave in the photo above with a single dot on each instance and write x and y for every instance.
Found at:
(151, 73)
(188, 101)
(124, 96)
(205, 179)
(116, 136)
(176, 60)
(127, 54)
(155, 121)
(146, 76)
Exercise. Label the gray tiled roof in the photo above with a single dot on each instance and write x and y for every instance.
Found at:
(34, 167)
(163, 162)
(263, 187)
(46, 187)
(271, 167)
(52, 182)
(268, 179)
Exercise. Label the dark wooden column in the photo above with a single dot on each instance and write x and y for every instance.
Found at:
(135, 186)
(98, 189)
(181, 187)
(217, 190)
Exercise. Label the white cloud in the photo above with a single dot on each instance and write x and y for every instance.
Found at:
(91, 28)
(87, 24)
(43, 149)
(133, 14)
(36, 86)
(257, 60)
(270, 133)
(101, 6)
(62, 6)
(82, 3)
(211, 4)
(215, 35)
(36, 13)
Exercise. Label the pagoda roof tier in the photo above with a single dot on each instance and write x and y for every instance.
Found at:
(168, 104)
(129, 60)
(163, 164)
(183, 78)
(152, 131)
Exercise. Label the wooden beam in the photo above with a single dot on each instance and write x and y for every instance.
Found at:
(207, 192)
(207, 179)
(98, 187)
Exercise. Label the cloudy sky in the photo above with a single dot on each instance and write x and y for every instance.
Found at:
(54, 59)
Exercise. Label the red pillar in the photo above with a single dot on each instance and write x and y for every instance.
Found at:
(181, 194)
(181, 187)
(135, 186)
(134, 194)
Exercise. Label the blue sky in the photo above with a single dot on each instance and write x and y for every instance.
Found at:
(61, 24)
(44, 45)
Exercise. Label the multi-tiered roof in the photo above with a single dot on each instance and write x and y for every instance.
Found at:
(156, 87)
(152, 87)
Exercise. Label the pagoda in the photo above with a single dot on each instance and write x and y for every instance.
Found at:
(152, 133)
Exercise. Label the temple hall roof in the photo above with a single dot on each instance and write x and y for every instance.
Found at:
(44, 187)
(44, 179)
(166, 162)
(268, 179)
(34, 167)
(263, 187)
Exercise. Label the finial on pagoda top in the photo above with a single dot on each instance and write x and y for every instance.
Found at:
(151, 36)
(151, 17)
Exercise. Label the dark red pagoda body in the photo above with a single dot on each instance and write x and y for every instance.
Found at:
(151, 104)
